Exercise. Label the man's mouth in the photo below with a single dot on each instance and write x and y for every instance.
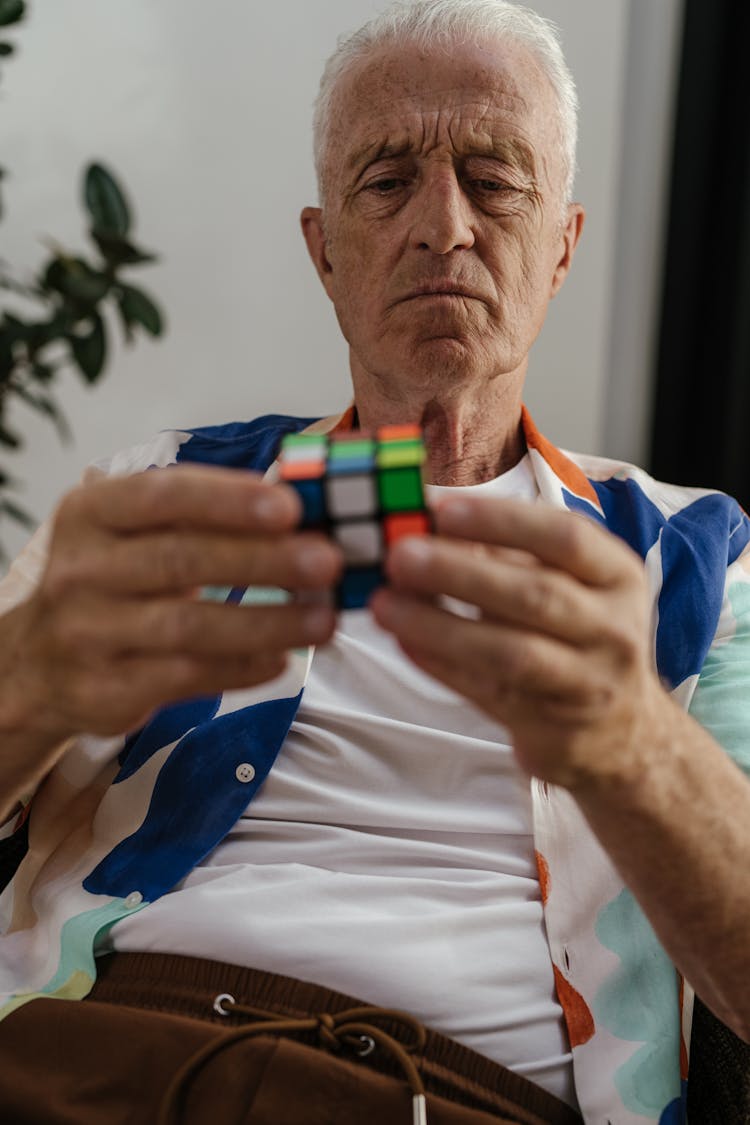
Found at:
(437, 289)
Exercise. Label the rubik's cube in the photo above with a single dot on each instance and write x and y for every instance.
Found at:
(365, 490)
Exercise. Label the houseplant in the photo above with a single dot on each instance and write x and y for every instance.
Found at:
(58, 319)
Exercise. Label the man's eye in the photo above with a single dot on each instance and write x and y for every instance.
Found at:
(384, 187)
(492, 185)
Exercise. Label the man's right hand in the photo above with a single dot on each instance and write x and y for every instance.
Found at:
(116, 627)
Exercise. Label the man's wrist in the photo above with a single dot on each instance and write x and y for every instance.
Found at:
(630, 760)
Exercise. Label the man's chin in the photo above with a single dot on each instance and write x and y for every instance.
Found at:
(438, 361)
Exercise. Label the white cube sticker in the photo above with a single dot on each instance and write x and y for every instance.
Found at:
(351, 495)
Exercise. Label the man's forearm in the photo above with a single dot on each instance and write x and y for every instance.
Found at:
(680, 836)
(561, 655)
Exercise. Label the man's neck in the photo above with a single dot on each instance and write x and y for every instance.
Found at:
(469, 438)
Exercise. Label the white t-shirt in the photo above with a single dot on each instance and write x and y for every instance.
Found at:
(389, 855)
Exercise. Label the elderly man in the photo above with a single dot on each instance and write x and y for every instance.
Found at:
(489, 806)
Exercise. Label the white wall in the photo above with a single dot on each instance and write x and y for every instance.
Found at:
(647, 127)
(204, 110)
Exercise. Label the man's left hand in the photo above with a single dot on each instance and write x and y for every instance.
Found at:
(559, 649)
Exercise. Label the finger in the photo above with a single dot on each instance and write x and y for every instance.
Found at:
(503, 662)
(205, 629)
(176, 561)
(565, 540)
(125, 696)
(198, 495)
(535, 597)
(184, 677)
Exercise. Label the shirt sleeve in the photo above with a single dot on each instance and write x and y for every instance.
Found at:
(721, 701)
(19, 583)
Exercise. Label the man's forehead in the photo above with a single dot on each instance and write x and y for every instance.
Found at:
(407, 70)
(481, 95)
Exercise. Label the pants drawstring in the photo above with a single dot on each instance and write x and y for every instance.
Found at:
(354, 1029)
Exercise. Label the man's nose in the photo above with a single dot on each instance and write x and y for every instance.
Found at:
(442, 214)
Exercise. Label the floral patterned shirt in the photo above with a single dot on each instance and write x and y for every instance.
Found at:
(119, 822)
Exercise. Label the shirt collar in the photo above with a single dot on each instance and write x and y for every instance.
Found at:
(557, 476)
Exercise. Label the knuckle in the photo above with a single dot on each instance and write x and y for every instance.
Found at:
(68, 568)
(183, 674)
(61, 578)
(622, 640)
(627, 642)
(538, 597)
(527, 665)
(155, 487)
(71, 631)
(68, 508)
(79, 503)
(174, 561)
(148, 496)
(181, 626)
(190, 674)
(634, 570)
(574, 535)
(84, 692)
(270, 630)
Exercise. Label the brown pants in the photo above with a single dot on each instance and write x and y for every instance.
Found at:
(112, 1057)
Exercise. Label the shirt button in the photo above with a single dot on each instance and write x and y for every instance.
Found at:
(135, 898)
(244, 772)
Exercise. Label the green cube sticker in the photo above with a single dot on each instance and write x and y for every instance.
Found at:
(395, 454)
(297, 441)
(400, 489)
(344, 450)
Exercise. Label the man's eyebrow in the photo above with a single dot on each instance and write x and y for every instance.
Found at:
(375, 150)
(510, 150)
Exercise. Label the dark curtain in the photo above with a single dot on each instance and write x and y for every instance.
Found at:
(701, 432)
(701, 419)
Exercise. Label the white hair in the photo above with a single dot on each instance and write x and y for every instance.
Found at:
(431, 23)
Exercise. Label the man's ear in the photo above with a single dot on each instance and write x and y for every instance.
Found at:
(571, 232)
(313, 229)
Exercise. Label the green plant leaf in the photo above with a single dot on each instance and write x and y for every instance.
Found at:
(75, 278)
(105, 201)
(138, 308)
(7, 364)
(87, 285)
(119, 251)
(54, 275)
(90, 350)
(20, 515)
(11, 330)
(8, 438)
(11, 11)
(56, 328)
(43, 372)
(6, 49)
(127, 327)
(46, 405)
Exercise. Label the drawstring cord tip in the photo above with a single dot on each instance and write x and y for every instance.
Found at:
(419, 1110)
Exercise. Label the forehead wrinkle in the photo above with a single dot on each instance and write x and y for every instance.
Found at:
(481, 137)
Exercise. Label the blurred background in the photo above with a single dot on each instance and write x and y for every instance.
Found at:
(204, 112)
